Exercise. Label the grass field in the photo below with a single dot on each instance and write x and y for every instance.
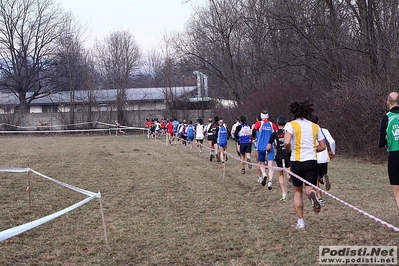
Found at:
(166, 205)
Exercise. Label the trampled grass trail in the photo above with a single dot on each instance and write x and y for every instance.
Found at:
(169, 205)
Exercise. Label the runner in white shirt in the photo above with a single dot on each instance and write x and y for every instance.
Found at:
(233, 131)
(199, 133)
(323, 158)
(301, 136)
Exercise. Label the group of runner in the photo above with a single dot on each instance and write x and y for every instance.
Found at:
(287, 143)
(156, 127)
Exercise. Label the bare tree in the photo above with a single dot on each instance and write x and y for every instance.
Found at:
(152, 67)
(70, 61)
(28, 30)
(90, 82)
(170, 72)
(216, 42)
(119, 57)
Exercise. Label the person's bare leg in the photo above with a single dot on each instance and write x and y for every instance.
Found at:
(257, 162)
(242, 163)
(216, 149)
(396, 194)
(298, 202)
(221, 154)
(271, 170)
(318, 191)
(262, 168)
(281, 180)
(248, 155)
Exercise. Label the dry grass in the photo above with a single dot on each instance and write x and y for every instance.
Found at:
(171, 206)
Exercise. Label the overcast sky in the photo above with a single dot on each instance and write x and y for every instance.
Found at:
(146, 20)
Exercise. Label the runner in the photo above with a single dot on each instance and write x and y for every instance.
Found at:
(233, 131)
(209, 136)
(265, 128)
(176, 125)
(118, 128)
(300, 139)
(282, 157)
(190, 134)
(243, 134)
(199, 134)
(323, 158)
(389, 127)
(148, 126)
(214, 128)
(223, 135)
(183, 132)
(255, 135)
(169, 131)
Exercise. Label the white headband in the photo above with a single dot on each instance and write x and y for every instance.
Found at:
(264, 116)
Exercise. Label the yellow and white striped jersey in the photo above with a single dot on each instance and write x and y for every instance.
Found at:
(305, 135)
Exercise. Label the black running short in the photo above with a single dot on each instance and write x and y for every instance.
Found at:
(307, 170)
(322, 169)
(282, 156)
(393, 168)
(245, 148)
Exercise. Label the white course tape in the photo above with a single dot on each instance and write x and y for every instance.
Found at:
(53, 131)
(14, 170)
(33, 128)
(25, 227)
(85, 192)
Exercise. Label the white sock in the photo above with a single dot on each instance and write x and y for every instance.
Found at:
(301, 221)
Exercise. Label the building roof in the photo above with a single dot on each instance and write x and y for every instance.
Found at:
(105, 96)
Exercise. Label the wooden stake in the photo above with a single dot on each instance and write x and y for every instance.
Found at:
(104, 227)
(28, 190)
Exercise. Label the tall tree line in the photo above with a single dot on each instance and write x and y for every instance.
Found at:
(340, 54)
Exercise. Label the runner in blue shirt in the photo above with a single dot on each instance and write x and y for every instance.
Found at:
(265, 128)
(222, 137)
(243, 134)
(176, 124)
(190, 134)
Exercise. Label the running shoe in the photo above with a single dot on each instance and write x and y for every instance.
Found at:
(327, 182)
(264, 180)
(269, 185)
(284, 197)
(249, 165)
(300, 226)
(242, 171)
(315, 202)
(260, 179)
(321, 203)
